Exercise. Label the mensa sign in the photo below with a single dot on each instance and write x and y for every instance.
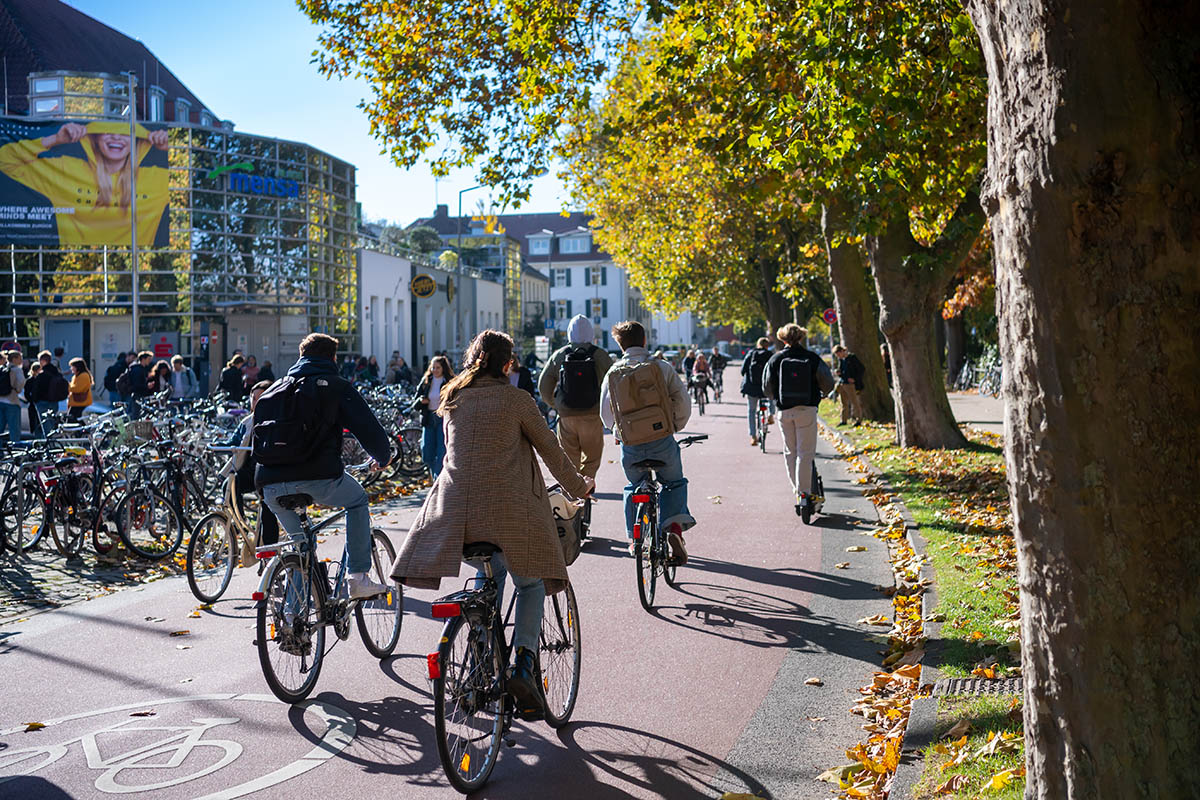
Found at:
(423, 286)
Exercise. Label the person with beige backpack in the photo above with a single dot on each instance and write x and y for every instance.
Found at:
(644, 403)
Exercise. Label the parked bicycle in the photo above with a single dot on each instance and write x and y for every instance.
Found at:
(472, 708)
(649, 539)
(301, 595)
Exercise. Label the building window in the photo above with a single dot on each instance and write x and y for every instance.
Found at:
(562, 309)
(561, 276)
(183, 110)
(539, 246)
(116, 108)
(47, 85)
(47, 105)
(597, 309)
(157, 110)
(207, 119)
(597, 276)
(575, 244)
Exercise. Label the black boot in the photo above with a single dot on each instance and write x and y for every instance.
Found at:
(525, 685)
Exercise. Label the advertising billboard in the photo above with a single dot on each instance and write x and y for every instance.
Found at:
(68, 184)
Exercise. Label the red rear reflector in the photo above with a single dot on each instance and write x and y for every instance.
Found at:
(637, 530)
(266, 554)
(445, 610)
(257, 596)
(640, 498)
(435, 669)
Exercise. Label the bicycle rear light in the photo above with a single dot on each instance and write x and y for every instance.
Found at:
(263, 554)
(637, 530)
(640, 498)
(257, 596)
(435, 669)
(446, 610)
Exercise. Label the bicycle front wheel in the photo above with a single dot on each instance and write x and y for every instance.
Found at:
(23, 514)
(379, 617)
(211, 555)
(290, 636)
(468, 716)
(561, 656)
(69, 517)
(644, 550)
(149, 524)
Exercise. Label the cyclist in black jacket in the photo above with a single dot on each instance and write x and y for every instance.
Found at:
(798, 378)
(323, 476)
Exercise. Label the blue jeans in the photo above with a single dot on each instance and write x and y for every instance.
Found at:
(433, 446)
(343, 492)
(12, 420)
(672, 501)
(531, 598)
(47, 426)
(131, 406)
(752, 411)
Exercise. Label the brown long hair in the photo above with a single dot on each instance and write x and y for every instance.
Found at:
(447, 371)
(488, 354)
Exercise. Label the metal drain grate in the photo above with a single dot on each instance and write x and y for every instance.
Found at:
(954, 686)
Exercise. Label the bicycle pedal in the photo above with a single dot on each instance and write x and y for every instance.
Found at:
(510, 742)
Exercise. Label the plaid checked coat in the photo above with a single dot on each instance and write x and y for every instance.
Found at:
(491, 489)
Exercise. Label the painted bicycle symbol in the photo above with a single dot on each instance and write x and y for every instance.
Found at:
(180, 744)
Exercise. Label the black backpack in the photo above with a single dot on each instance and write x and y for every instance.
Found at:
(795, 382)
(110, 378)
(125, 382)
(294, 418)
(578, 386)
(58, 389)
(753, 384)
(6, 386)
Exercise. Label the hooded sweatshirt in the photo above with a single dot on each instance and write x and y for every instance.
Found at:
(353, 415)
(580, 334)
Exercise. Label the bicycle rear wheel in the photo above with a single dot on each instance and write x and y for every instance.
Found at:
(211, 555)
(468, 715)
(379, 617)
(700, 401)
(644, 550)
(69, 514)
(149, 524)
(23, 514)
(290, 636)
(561, 656)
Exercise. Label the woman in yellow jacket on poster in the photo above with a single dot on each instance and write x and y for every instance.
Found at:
(92, 196)
(80, 389)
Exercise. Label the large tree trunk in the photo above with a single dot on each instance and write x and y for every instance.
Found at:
(1094, 194)
(909, 296)
(856, 315)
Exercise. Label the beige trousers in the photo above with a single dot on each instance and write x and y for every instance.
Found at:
(582, 438)
(851, 402)
(799, 428)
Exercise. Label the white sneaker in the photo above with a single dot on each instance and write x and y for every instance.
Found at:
(360, 586)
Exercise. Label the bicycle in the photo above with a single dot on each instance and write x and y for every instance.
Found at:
(212, 549)
(472, 708)
(699, 393)
(815, 500)
(760, 423)
(718, 384)
(298, 598)
(649, 541)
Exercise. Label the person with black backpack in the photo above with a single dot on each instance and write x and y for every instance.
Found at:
(297, 443)
(797, 378)
(45, 392)
(752, 385)
(110, 379)
(572, 377)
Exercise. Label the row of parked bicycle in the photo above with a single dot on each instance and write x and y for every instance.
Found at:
(986, 376)
(154, 483)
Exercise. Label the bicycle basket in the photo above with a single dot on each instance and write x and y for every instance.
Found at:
(569, 522)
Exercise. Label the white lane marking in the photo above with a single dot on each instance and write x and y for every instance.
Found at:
(340, 731)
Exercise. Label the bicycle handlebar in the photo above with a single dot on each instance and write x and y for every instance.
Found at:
(688, 441)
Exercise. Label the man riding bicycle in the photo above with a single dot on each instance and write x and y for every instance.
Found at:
(298, 426)
(717, 361)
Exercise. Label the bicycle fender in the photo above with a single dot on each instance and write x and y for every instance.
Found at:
(265, 580)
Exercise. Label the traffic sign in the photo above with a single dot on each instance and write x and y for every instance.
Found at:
(549, 324)
(830, 316)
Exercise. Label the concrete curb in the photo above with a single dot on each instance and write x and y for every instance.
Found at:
(920, 730)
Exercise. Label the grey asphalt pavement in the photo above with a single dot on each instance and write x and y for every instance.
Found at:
(978, 410)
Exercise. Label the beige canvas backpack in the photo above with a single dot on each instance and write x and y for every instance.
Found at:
(641, 402)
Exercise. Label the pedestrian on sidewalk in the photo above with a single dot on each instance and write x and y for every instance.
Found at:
(183, 380)
(80, 389)
(571, 381)
(644, 402)
(45, 391)
(797, 378)
(10, 401)
(752, 385)
(429, 395)
(110, 379)
(231, 378)
(850, 372)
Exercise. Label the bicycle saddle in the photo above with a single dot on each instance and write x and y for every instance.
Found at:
(479, 550)
(294, 501)
(649, 463)
(68, 461)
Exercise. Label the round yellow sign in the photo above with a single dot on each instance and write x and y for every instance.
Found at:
(423, 286)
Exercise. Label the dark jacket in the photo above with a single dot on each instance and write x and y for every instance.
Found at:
(353, 415)
(851, 370)
(139, 376)
(111, 375)
(525, 381)
(404, 374)
(231, 381)
(37, 390)
(266, 374)
(429, 415)
(821, 378)
(752, 372)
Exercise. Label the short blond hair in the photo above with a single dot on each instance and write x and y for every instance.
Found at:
(792, 334)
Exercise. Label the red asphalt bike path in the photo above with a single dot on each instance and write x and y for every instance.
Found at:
(671, 703)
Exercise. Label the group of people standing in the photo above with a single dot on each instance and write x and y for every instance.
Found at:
(240, 375)
(366, 370)
(135, 376)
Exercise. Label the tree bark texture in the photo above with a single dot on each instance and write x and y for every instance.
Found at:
(911, 281)
(1094, 195)
(857, 321)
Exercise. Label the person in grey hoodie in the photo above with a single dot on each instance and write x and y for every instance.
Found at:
(567, 382)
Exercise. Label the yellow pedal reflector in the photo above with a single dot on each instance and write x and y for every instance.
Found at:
(271, 628)
(465, 764)
(389, 597)
(545, 683)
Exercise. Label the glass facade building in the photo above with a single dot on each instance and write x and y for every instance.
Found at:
(262, 250)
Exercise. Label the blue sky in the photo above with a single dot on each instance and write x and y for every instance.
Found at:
(249, 61)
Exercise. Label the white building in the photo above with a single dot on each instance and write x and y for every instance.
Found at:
(665, 332)
(384, 304)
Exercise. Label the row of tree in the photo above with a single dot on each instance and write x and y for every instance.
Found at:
(742, 156)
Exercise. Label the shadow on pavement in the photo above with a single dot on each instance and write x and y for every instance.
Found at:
(803, 580)
(27, 786)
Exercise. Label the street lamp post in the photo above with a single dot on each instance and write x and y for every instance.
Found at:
(458, 293)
